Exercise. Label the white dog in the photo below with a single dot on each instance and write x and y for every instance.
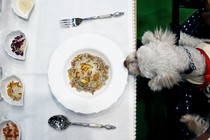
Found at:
(166, 64)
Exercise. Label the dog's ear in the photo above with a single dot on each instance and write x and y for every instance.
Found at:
(159, 35)
(165, 36)
(147, 37)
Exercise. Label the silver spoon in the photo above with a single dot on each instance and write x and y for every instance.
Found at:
(61, 122)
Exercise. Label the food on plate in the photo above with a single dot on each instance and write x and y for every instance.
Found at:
(18, 45)
(10, 131)
(14, 90)
(88, 73)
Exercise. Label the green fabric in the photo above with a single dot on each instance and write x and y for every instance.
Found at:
(152, 14)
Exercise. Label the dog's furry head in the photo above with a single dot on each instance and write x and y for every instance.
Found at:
(157, 59)
(158, 36)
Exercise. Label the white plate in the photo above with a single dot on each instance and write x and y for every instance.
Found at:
(81, 102)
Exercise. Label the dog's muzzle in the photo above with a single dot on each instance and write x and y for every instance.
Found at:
(125, 63)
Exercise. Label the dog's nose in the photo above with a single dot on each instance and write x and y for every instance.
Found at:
(125, 63)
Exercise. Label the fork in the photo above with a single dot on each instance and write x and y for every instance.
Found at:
(0, 5)
(1, 76)
(73, 22)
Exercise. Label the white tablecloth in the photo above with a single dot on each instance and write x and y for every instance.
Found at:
(44, 36)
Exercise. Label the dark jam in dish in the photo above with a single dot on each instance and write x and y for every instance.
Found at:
(18, 45)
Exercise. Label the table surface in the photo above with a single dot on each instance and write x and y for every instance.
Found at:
(44, 36)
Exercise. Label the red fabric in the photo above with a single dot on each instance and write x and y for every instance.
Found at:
(207, 74)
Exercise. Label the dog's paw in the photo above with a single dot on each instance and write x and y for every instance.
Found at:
(195, 123)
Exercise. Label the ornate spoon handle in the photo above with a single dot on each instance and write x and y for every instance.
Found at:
(0, 5)
(1, 73)
(94, 125)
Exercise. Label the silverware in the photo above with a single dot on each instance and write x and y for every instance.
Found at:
(68, 23)
(1, 73)
(1, 76)
(61, 122)
(0, 5)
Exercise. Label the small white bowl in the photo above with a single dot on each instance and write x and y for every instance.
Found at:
(22, 8)
(8, 42)
(3, 89)
(4, 124)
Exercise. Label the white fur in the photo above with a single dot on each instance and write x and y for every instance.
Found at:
(161, 61)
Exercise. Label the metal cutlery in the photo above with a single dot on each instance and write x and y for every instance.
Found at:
(1, 76)
(73, 22)
(0, 5)
(61, 122)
